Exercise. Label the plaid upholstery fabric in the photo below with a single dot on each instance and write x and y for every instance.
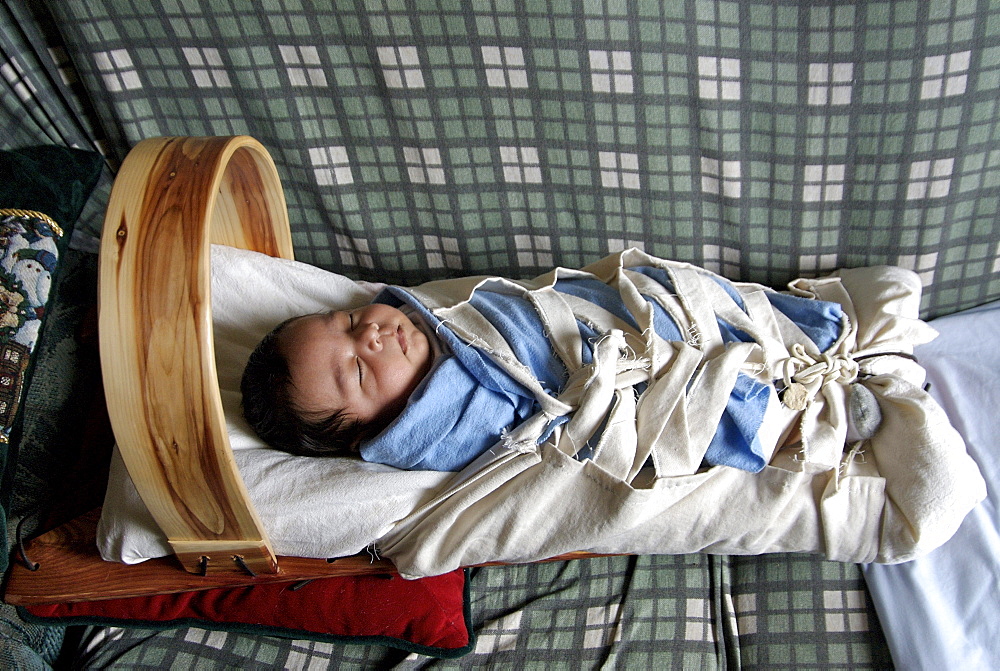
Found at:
(762, 139)
(784, 605)
(681, 612)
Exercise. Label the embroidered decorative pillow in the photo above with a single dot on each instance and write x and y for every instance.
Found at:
(28, 259)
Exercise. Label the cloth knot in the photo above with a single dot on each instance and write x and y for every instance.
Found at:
(804, 375)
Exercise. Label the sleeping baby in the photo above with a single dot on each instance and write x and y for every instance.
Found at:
(432, 377)
(636, 405)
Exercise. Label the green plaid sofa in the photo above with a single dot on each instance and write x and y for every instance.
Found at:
(762, 139)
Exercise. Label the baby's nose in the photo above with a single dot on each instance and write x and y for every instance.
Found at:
(370, 335)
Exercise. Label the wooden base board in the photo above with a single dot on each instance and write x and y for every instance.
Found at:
(70, 569)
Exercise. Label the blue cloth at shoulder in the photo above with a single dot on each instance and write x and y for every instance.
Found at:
(457, 412)
(450, 419)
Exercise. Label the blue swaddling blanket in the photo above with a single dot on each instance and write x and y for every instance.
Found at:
(467, 401)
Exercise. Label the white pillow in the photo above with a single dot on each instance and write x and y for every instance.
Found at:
(310, 507)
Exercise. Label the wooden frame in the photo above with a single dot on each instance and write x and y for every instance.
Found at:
(173, 198)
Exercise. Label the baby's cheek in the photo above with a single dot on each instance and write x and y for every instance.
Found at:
(425, 352)
(392, 405)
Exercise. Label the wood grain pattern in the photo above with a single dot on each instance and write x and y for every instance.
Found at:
(71, 570)
(174, 197)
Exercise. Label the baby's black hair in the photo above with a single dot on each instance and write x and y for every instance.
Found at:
(268, 408)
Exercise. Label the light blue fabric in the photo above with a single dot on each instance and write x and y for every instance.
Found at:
(818, 319)
(516, 319)
(736, 442)
(467, 401)
(457, 412)
(465, 420)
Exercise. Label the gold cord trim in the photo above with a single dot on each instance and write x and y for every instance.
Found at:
(37, 215)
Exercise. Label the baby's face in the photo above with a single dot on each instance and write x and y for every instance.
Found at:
(366, 361)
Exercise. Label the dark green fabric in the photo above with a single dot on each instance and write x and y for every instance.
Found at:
(53, 180)
(56, 181)
(57, 409)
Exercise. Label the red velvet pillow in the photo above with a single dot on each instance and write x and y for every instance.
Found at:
(429, 616)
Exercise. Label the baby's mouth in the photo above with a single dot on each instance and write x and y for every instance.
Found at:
(401, 338)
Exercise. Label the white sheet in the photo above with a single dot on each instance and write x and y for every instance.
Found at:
(942, 611)
(302, 514)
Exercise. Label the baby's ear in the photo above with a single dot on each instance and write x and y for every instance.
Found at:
(361, 435)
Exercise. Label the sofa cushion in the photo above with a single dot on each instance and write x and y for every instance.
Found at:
(429, 616)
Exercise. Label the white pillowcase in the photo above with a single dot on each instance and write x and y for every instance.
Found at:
(310, 506)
